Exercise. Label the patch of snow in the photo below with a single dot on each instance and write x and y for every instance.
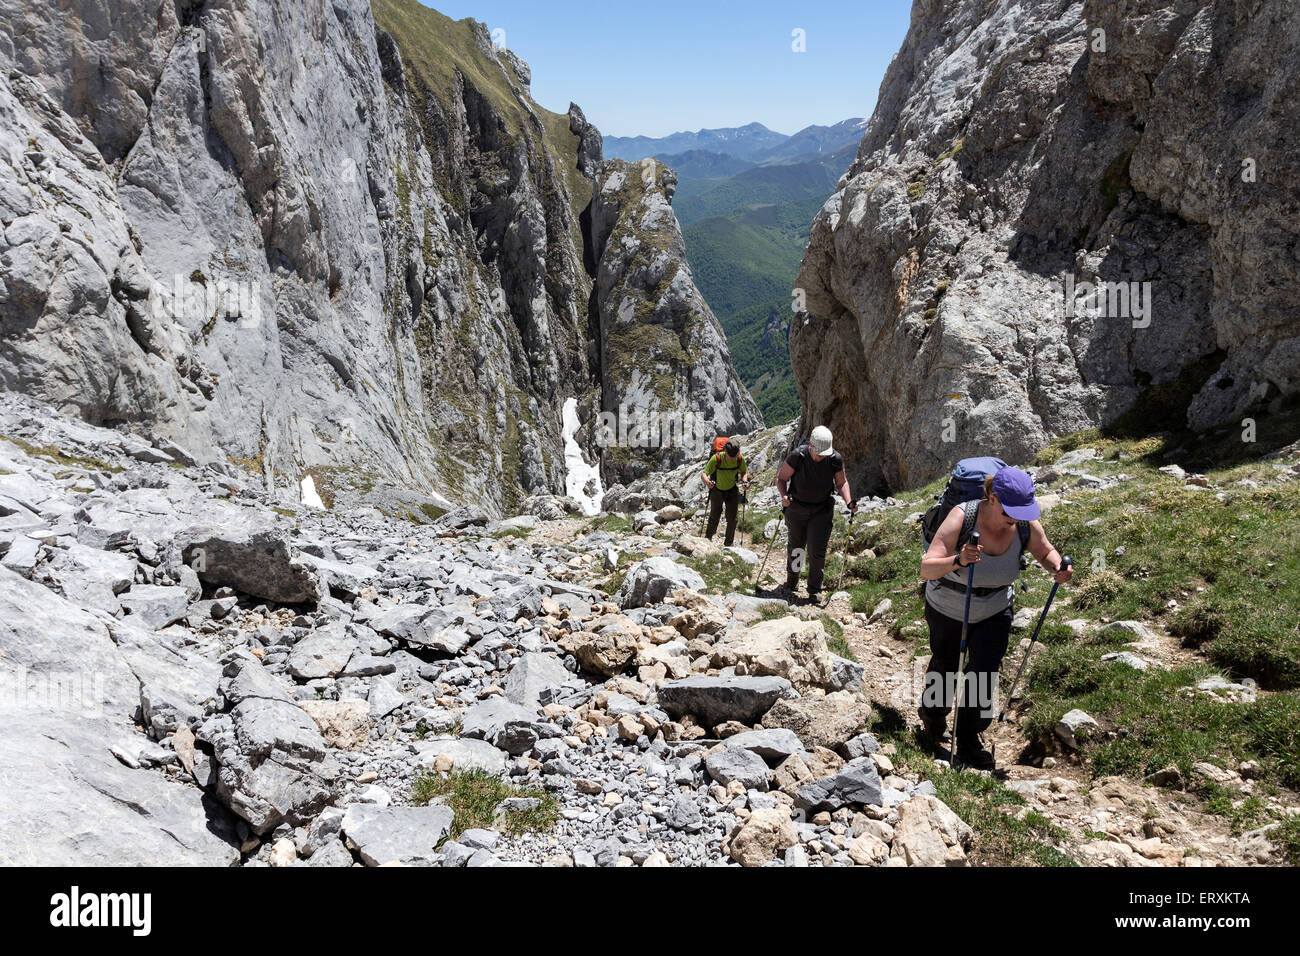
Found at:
(309, 496)
(581, 480)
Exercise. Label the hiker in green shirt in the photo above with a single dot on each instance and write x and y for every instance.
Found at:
(726, 475)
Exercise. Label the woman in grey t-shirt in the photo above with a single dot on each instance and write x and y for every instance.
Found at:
(1008, 502)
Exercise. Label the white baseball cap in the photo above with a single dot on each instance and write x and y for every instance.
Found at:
(821, 441)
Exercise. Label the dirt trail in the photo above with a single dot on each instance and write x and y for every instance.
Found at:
(1112, 821)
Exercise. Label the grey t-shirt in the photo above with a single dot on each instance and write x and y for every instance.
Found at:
(992, 570)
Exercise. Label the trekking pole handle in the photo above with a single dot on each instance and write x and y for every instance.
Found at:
(1066, 562)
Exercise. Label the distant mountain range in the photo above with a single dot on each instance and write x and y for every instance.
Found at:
(745, 199)
(755, 142)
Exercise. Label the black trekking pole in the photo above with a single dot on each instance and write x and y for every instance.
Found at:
(762, 567)
(961, 657)
(744, 500)
(1002, 716)
(848, 537)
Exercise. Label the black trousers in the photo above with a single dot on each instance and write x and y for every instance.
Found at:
(986, 644)
(810, 533)
(730, 498)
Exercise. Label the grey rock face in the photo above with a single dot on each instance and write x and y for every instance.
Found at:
(325, 653)
(1017, 152)
(465, 753)
(536, 679)
(772, 745)
(271, 756)
(715, 700)
(378, 274)
(663, 352)
(736, 763)
(155, 606)
(503, 724)
(73, 697)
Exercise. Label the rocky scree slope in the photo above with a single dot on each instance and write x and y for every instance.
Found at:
(330, 237)
(194, 672)
(236, 682)
(1017, 148)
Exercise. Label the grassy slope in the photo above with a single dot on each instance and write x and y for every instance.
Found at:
(745, 264)
(763, 184)
(434, 47)
(745, 236)
(1229, 556)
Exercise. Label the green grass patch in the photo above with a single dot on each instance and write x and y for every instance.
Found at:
(473, 795)
(1157, 720)
(719, 570)
(1232, 566)
(613, 523)
(1287, 836)
(59, 457)
(432, 511)
(517, 533)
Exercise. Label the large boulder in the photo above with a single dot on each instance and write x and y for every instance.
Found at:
(786, 647)
(272, 763)
(773, 746)
(716, 700)
(88, 576)
(253, 560)
(608, 648)
(757, 839)
(155, 606)
(821, 721)
(460, 753)
(344, 724)
(928, 833)
(652, 580)
(737, 764)
(383, 835)
(536, 679)
(505, 725)
(323, 653)
(857, 782)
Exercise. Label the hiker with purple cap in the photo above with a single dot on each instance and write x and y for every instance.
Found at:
(1007, 521)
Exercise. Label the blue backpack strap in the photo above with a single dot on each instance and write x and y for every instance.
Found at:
(971, 511)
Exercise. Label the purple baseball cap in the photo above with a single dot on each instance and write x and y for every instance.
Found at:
(1015, 490)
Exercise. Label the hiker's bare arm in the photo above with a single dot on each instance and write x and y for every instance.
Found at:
(783, 477)
(1046, 554)
(937, 560)
(842, 486)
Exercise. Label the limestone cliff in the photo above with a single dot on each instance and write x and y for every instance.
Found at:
(336, 237)
(1024, 155)
(664, 358)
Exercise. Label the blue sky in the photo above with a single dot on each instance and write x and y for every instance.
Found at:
(662, 67)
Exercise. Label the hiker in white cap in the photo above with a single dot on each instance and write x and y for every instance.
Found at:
(808, 479)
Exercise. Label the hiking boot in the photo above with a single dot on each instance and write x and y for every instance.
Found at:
(934, 728)
(817, 599)
(971, 753)
(783, 592)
